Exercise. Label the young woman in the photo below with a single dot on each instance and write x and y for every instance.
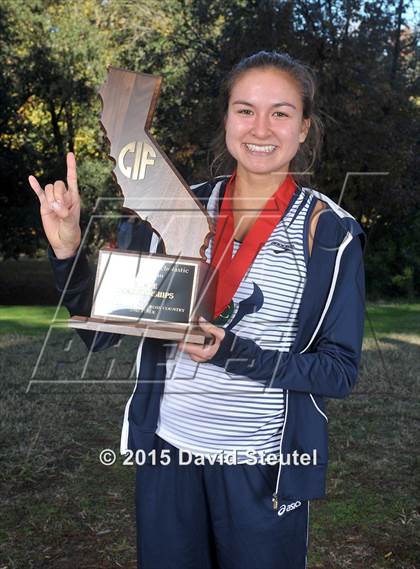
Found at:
(238, 426)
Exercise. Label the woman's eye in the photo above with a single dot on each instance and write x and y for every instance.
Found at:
(280, 114)
(245, 111)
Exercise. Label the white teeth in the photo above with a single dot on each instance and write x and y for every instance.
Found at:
(257, 148)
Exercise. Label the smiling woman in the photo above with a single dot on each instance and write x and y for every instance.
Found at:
(281, 344)
(291, 100)
(287, 332)
(262, 138)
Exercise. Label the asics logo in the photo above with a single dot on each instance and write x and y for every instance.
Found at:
(288, 508)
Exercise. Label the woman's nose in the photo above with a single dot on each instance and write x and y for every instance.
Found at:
(261, 126)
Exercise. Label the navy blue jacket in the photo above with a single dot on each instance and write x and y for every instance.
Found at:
(322, 362)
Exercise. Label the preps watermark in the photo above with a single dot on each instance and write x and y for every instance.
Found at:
(164, 457)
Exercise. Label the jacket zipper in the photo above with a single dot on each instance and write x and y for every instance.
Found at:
(344, 243)
(275, 498)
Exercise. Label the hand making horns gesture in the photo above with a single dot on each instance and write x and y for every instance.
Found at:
(60, 211)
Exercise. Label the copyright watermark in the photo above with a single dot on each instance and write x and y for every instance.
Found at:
(107, 457)
(251, 457)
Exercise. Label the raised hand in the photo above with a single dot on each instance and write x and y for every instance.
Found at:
(60, 211)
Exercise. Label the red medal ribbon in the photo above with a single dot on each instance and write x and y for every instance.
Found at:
(232, 270)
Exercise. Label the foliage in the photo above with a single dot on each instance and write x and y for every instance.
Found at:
(54, 56)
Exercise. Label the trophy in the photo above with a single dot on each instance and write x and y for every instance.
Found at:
(143, 294)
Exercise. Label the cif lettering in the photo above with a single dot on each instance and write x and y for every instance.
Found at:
(144, 156)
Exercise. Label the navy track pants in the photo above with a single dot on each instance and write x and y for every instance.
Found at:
(215, 516)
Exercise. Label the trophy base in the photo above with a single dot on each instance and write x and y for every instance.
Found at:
(161, 330)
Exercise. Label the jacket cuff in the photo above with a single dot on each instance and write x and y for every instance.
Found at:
(243, 356)
(224, 353)
(76, 266)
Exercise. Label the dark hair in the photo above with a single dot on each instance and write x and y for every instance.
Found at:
(309, 151)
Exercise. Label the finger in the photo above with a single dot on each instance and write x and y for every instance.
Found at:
(72, 173)
(203, 353)
(33, 182)
(191, 349)
(49, 194)
(60, 192)
(206, 325)
(53, 204)
(198, 360)
(211, 329)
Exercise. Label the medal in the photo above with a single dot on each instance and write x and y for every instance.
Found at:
(225, 316)
(230, 271)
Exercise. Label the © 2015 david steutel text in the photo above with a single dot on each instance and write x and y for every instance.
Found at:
(184, 458)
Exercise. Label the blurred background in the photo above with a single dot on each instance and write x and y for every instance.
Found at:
(61, 507)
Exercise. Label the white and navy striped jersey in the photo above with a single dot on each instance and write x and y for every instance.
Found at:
(206, 410)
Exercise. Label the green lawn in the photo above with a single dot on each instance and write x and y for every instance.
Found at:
(29, 319)
(385, 318)
(382, 318)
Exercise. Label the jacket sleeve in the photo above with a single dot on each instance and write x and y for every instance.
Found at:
(75, 281)
(330, 368)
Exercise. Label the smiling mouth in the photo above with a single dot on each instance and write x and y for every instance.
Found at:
(260, 149)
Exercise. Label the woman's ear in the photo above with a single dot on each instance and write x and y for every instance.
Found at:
(306, 125)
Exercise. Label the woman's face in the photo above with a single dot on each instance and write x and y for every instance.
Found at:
(264, 124)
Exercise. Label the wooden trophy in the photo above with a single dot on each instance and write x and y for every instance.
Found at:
(159, 296)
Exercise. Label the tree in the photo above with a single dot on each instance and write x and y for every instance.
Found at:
(363, 52)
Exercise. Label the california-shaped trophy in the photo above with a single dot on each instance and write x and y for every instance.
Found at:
(143, 294)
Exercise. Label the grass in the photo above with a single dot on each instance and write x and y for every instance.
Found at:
(29, 320)
(380, 319)
(62, 509)
(384, 318)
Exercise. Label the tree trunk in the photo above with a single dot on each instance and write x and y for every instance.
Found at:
(70, 126)
(58, 139)
(397, 43)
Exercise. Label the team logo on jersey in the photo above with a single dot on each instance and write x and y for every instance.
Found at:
(247, 306)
